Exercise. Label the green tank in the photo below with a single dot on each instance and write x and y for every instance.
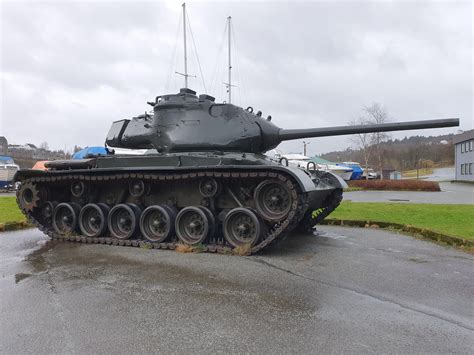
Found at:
(206, 182)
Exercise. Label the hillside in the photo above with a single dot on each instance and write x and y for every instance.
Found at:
(403, 154)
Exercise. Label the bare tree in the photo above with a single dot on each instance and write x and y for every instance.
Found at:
(417, 156)
(76, 149)
(363, 142)
(376, 113)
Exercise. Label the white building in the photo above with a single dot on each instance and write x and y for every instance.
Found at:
(464, 156)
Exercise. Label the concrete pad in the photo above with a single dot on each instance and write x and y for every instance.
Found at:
(344, 290)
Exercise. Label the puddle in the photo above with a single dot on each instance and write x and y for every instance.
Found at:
(21, 276)
(141, 273)
(418, 260)
(328, 235)
(36, 258)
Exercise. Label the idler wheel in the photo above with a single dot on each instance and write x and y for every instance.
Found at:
(28, 196)
(157, 223)
(65, 217)
(123, 220)
(273, 200)
(137, 188)
(208, 187)
(93, 219)
(242, 227)
(78, 188)
(193, 225)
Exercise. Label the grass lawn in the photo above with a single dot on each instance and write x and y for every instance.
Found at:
(9, 211)
(454, 220)
(421, 172)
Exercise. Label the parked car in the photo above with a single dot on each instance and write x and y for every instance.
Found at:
(369, 174)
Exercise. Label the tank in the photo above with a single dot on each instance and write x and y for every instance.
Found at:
(204, 183)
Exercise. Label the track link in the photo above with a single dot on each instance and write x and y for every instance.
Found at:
(312, 218)
(277, 232)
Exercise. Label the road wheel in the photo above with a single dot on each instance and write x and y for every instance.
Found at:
(242, 227)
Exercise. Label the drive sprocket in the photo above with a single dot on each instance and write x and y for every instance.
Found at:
(28, 196)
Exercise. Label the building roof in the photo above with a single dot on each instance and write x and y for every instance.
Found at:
(465, 136)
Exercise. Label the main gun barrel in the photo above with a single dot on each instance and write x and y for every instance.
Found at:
(289, 134)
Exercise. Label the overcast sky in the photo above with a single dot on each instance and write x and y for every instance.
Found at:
(68, 69)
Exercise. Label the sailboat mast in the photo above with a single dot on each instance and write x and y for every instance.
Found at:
(230, 63)
(185, 49)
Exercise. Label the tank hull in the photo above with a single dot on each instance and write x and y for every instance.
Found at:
(227, 203)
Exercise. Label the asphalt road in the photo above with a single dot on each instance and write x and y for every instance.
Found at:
(451, 193)
(346, 290)
(7, 194)
(441, 174)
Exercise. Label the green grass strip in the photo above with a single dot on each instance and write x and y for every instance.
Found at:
(454, 220)
(9, 211)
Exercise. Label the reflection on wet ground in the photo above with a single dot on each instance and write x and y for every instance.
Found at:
(75, 265)
(310, 292)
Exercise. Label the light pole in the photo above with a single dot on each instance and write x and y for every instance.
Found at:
(304, 147)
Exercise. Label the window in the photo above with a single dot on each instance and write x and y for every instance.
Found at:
(470, 145)
(470, 168)
(462, 147)
(462, 169)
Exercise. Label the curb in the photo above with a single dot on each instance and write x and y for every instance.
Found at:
(12, 226)
(468, 182)
(415, 231)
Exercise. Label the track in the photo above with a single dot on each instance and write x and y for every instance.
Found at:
(217, 244)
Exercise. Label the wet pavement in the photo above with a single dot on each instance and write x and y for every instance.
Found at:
(345, 290)
(451, 193)
(441, 174)
(7, 194)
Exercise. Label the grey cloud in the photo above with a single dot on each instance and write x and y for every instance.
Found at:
(73, 68)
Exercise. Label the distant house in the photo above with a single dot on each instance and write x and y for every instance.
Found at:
(395, 175)
(464, 156)
(386, 173)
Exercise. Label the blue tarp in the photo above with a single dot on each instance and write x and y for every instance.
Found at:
(6, 160)
(356, 171)
(90, 151)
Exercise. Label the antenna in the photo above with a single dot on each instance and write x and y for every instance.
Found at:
(185, 74)
(229, 83)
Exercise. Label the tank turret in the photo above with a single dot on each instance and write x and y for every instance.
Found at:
(185, 122)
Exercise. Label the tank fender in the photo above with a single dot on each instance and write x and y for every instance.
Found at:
(335, 181)
(304, 180)
(24, 174)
